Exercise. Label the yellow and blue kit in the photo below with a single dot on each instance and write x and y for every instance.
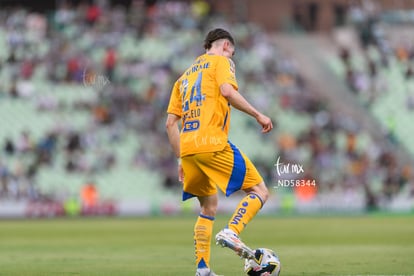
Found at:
(208, 158)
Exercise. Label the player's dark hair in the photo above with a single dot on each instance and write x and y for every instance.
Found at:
(216, 34)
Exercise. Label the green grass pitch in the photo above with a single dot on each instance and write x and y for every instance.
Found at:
(362, 245)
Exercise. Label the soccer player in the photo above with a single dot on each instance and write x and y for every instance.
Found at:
(201, 99)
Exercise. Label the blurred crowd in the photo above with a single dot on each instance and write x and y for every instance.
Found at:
(129, 56)
(139, 52)
(367, 73)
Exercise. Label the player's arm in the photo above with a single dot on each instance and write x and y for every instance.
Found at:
(173, 133)
(173, 117)
(238, 101)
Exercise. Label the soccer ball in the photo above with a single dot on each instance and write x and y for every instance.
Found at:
(265, 263)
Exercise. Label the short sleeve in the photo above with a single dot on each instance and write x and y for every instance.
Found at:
(174, 106)
(226, 72)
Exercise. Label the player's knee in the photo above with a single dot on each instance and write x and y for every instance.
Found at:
(208, 205)
(263, 194)
(260, 190)
(209, 210)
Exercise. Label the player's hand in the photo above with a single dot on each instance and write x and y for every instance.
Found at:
(265, 122)
(180, 173)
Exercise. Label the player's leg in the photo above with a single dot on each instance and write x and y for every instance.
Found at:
(244, 176)
(246, 210)
(197, 184)
(203, 230)
(248, 207)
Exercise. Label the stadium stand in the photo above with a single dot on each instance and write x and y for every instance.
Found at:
(380, 75)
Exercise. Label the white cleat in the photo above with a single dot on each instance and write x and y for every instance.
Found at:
(205, 272)
(227, 238)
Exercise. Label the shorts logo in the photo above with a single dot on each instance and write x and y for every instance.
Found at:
(239, 216)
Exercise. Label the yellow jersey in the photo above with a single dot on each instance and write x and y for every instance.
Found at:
(204, 112)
